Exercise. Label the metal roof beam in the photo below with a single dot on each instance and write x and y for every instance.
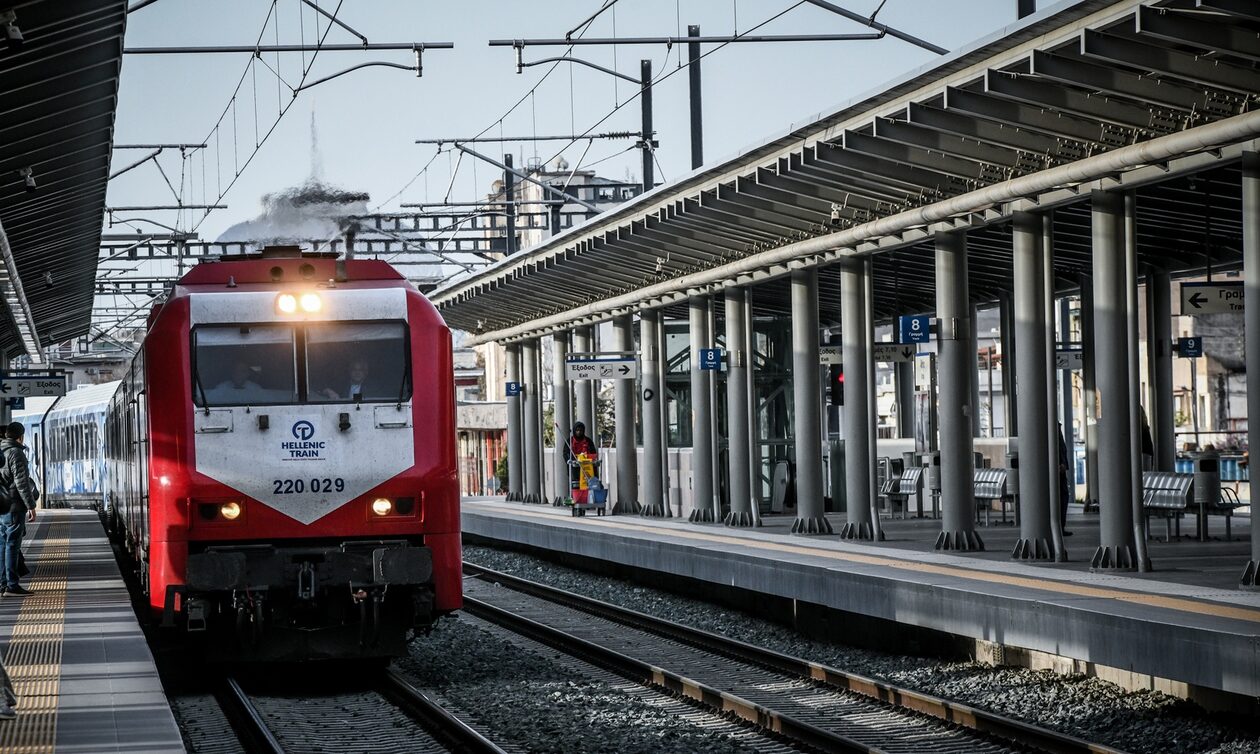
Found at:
(1245, 8)
(1017, 115)
(939, 141)
(792, 221)
(1055, 97)
(909, 178)
(1163, 60)
(707, 203)
(784, 177)
(850, 182)
(1027, 142)
(1197, 31)
(1112, 80)
(737, 239)
(808, 207)
(945, 166)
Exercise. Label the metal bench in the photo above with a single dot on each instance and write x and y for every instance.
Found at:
(989, 485)
(1167, 494)
(898, 489)
(1225, 506)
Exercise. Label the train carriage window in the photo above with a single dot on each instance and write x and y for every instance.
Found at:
(357, 361)
(239, 366)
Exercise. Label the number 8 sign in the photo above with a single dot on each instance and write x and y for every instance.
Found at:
(915, 329)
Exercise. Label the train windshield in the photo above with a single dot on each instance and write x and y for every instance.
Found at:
(353, 361)
(242, 366)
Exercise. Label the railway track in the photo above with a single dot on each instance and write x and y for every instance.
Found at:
(339, 723)
(822, 707)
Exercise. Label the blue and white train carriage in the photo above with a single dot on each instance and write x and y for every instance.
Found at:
(65, 442)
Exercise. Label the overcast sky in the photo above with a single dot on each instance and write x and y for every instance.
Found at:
(368, 120)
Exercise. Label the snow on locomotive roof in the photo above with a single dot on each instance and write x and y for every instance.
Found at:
(87, 395)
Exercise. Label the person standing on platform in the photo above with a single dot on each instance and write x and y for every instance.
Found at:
(578, 450)
(18, 498)
(1065, 463)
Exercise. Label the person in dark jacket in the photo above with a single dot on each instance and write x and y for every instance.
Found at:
(579, 444)
(1065, 463)
(19, 499)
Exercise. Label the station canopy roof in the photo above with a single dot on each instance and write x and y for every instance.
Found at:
(58, 93)
(1153, 98)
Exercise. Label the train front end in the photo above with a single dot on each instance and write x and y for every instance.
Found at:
(302, 472)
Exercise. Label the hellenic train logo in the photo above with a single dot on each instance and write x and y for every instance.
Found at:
(303, 430)
(304, 444)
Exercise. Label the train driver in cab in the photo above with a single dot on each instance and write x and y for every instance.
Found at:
(356, 383)
(240, 380)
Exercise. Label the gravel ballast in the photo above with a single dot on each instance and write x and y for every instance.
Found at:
(1142, 722)
(535, 701)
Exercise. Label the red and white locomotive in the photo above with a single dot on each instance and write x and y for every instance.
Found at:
(282, 459)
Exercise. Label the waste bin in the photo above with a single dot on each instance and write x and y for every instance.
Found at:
(1207, 477)
(783, 486)
(932, 461)
(1207, 486)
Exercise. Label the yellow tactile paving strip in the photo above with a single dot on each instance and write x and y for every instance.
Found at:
(33, 658)
(1197, 607)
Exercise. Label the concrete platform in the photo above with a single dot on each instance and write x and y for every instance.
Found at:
(1188, 636)
(84, 675)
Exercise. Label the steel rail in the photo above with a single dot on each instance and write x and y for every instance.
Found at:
(448, 729)
(651, 675)
(246, 720)
(969, 717)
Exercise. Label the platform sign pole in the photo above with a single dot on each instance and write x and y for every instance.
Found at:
(1251, 276)
(653, 471)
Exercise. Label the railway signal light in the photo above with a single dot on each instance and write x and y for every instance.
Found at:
(837, 384)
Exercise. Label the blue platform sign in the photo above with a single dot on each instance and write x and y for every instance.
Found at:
(916, 329)
(1190, 348)
(17, 404)
(513, 389)
(710, 358)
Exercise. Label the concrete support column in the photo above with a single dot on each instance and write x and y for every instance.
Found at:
(516, 435)
(663, 409)
(1130, 285)
(1035, 484)
(627, 491)
(653, 433)
(1159, 361)
(956, 373)
(1010, 370)
(1251, 287)
(806, 396)
(563, 415)
(859, 484)
(1111, 354)
(743, 510)
(531, 390)
(585, 390)
(706, 506)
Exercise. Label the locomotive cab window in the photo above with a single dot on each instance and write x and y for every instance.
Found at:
(241, 366)
(358, 361)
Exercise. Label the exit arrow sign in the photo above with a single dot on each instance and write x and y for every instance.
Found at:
(1211, 298)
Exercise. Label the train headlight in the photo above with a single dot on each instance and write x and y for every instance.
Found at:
(230, 511)
(310, 302)
(286, 303)
(382, 506)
